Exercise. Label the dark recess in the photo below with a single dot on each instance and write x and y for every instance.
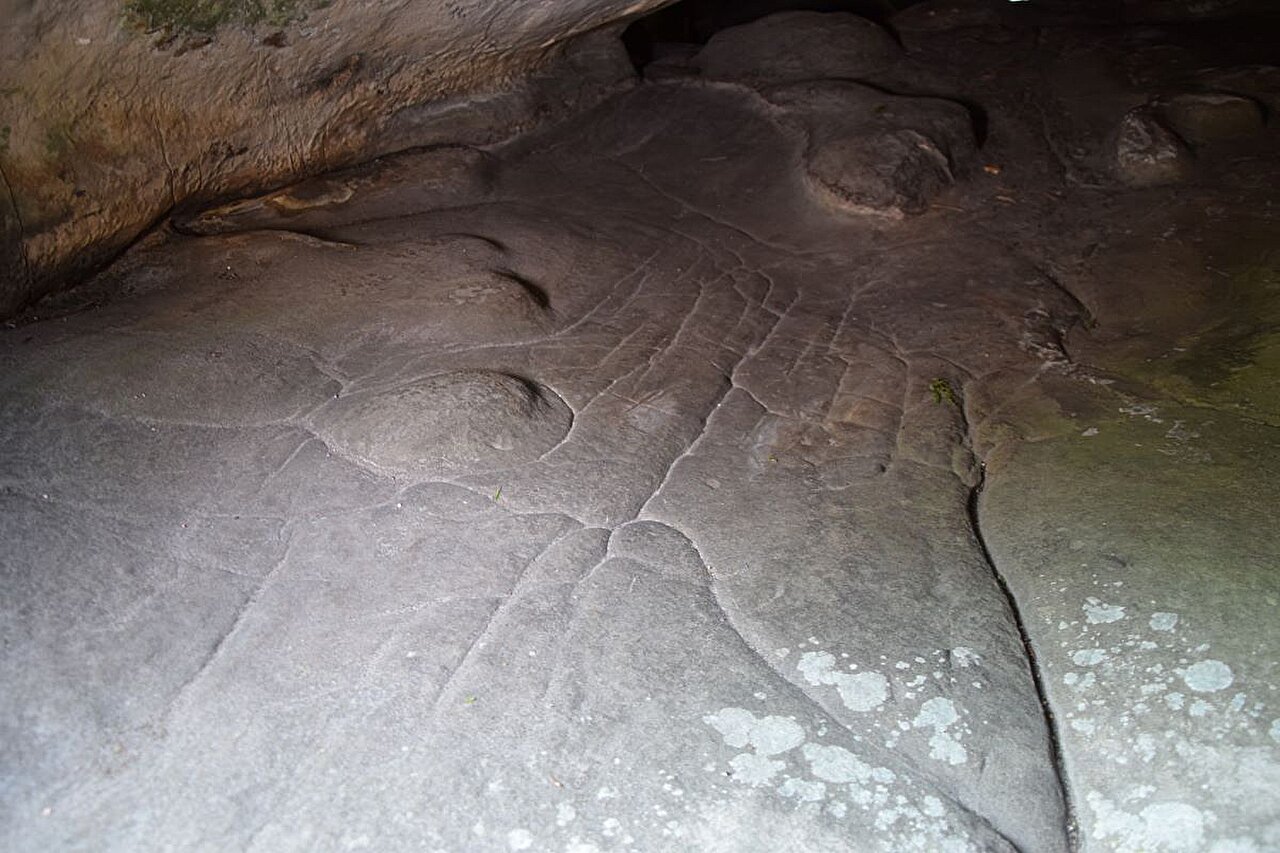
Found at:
(695, 21)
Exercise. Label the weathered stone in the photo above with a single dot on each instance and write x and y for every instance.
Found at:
(940, 16)
(672, 62)
(440, 177)
(1201, 118)
(111, 120)
(1259, 82)
(182, 376)
(1145, 153)
(448, 423)
(793, 46)
(871, 152)
(618, 495)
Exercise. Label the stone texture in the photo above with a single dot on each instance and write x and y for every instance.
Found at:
(869, 152)
(1146, 153)
(610, 489)
(1202, 118)
(1258, 82)
(112, 119)
(466, 420)
(441, 176)
(793, 46)
(940, 16)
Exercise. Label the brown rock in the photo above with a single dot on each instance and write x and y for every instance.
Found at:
(794, 46)
(874, 153)
(936, 16)
(111, 120)
(1210, 117)
(1146, 153)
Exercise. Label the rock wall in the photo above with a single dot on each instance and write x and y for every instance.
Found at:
(115, 112)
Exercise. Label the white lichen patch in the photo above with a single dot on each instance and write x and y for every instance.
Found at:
(838, 781)
(1084, 725)
(755, 770)
(1208, 676)
(859, 691)
(836, 764)
(940, 714)
(1164, 827)
(766, 735)
(803, 790)
(1098, 613)
(1143, 696)
(1088, 657)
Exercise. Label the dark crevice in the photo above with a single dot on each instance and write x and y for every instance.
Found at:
(1037, 676)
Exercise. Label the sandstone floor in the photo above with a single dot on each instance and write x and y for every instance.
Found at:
(641, 483)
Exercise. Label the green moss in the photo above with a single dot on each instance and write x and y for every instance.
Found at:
(1231, 360)
(205, 16)
(943, 392)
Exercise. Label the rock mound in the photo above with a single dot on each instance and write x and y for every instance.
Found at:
(449, 423)
(350, 307)
(793, 46)
(1146, 153)
(874, 153)
(1205, 117)
(1258, 82)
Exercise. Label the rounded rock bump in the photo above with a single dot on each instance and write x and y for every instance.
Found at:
(446, 424)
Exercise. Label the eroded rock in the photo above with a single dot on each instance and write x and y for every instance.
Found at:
(349, 306)
(111, 120)
(389, 186)
(447, 423)
(794, 46)
(870, 152)
(1258, 82)
(216, 377)
(1146, 153)
(1210, 117)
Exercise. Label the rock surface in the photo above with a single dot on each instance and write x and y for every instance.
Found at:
(1148, 154)
(609, 489)
(870, 152)
(1204, 118)
(112, 117)
(790, 47)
